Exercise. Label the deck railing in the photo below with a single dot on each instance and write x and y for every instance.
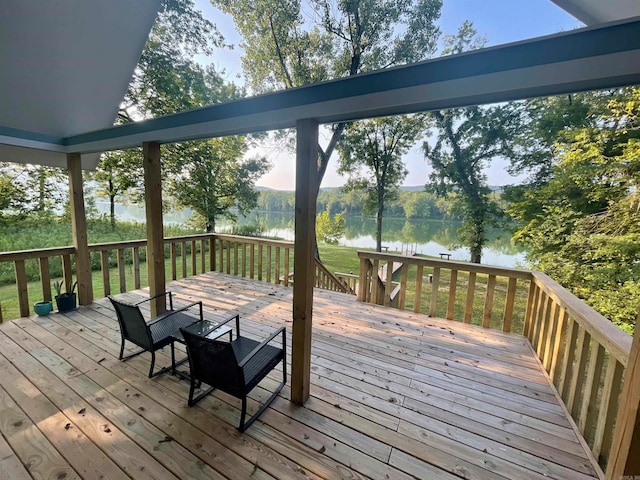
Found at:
(447, 289)
(585, 356)
(255, 258)
(583, 352)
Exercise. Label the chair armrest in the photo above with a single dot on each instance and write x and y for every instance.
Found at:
(237, 319)
(171, 312)
(163, 294)
(253, 352)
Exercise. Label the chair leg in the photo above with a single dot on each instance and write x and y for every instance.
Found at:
(121, 349)
(244, 425)
(196, 384)
(243, 414)
(153, 361)
(134, 354)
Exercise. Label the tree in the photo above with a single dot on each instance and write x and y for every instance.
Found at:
(467, 139)
(216, 181)
(371, 154)
(330, 229)
(12, 197)
(587, 233)
(284, 49)
(547, 120)
(116, 178)
(166, 81)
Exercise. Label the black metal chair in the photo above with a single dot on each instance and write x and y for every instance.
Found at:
(234, 367)
(154, 334)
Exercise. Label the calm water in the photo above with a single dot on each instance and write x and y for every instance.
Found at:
(430, 237)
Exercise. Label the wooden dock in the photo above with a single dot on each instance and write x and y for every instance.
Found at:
(395, 395)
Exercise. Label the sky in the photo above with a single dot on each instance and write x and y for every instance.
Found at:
(500, 21)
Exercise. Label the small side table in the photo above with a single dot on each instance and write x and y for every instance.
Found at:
(205, 328)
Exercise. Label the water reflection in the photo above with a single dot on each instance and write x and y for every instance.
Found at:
(430, 237)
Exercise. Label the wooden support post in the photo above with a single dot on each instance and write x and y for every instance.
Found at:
(303, 257)
(155, 231)
(79, 230)
(624, 461)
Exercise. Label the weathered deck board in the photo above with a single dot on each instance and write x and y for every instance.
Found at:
(394, 395)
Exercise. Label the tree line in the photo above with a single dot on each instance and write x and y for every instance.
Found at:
(408, 204)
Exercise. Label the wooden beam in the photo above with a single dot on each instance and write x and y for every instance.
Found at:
(303, 257)
(625, 461)
(79, 230)
(155, 231)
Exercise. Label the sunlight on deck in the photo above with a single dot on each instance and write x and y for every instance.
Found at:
(393, 395)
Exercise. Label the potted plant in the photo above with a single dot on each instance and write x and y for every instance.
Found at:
(42, 308)
(65, 301)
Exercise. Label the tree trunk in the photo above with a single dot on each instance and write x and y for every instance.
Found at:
(210, 224)
(477, 236)
(41, 189)
(112, 206)
(379, 220)
(323, 161)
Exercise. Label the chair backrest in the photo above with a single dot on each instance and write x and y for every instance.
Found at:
(132, 324)
(214, 363)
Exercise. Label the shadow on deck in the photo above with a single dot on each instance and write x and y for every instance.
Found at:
(394, 395)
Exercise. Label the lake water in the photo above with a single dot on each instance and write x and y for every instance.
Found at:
(430, 237)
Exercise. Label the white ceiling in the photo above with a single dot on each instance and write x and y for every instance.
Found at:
(65, 64)
(593, 12)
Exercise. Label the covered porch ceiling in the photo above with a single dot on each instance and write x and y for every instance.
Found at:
(60, 94)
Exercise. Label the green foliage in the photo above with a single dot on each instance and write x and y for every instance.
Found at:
(250, 230)
(585, 230)
(371, 154)
(12, 197)
(57, 287)
(215, 180)
(31, 189)
(408, 204)
(166, 79)
(329, 229)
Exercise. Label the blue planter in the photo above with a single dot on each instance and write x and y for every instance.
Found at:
(42, 308)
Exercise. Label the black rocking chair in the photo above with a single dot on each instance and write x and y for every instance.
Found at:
(155, 334)
(234, 367)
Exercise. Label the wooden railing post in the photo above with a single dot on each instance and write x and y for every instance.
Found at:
(363, 284)
(155, 230)
(625, 451)
(23, 294)
(79, 230)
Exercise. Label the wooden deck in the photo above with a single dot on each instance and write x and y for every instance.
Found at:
(394, 396)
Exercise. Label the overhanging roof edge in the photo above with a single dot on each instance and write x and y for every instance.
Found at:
(588, 44)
